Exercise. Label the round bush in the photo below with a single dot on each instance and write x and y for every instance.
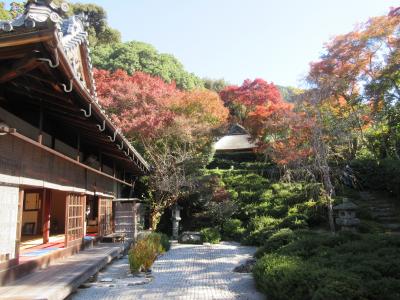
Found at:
(276, 241)
(210, 235)
(232, 230)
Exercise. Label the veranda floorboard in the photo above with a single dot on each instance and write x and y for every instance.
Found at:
(64, 276)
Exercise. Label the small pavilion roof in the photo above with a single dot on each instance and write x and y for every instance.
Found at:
(237, 139)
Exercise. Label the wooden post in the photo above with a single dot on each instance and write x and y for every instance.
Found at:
(84, 214)
(53, 142)
(78, 146)
(40, 137)
(101, 161)
(46, 216)
(19, 225)
(66, 219)
(134, 209)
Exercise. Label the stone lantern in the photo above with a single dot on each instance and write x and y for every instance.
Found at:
(346, 218)
(176, 217)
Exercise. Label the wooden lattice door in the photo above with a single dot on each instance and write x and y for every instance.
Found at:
(74, 219)
(105, 217)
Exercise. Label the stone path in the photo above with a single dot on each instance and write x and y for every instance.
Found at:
(185, 272)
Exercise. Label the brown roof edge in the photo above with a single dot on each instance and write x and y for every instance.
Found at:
(96, 108)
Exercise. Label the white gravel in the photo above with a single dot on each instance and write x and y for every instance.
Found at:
(185, 272)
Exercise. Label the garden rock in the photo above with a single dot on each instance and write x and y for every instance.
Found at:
(190, 237)
(247, 267)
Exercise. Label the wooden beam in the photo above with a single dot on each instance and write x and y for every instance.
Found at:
(42, 92)
(18, 68)
(66, 158)
(27, 38)
(41, 79)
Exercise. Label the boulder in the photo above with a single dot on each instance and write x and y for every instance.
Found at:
(247, 267)
(190, 237)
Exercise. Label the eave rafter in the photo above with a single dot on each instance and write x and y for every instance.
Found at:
(45, 58)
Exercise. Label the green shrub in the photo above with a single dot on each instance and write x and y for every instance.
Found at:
(210, 235)
(232, 230)
(143, 253)
(260, 228)
(294, 221)
(310, 265)
(165, 243)
(285, 277)
(276, 241)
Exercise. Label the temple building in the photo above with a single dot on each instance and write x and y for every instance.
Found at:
(236, 145)
(62, 161)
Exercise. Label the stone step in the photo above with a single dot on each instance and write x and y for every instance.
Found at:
(383, 215)
(378, 209)
(392, 226)
(389, 219)
(380, 205)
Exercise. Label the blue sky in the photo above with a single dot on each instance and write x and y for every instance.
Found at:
(238, 39)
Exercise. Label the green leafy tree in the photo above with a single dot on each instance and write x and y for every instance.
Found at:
(4, 13)
(16, 8)
(289, 93)
(138, 56)
(216, 85)
(99, 31)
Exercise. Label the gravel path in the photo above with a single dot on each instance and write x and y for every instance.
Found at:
(184, 272)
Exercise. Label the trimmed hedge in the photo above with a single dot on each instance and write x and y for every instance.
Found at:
(308, 265)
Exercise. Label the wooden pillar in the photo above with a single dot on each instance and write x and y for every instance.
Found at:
(66, 219)
(78, 146)
(134, 209)
(19, 225)
(101, 161)
(46, 215)
(53, 142)
(84, 200)
(40, 137)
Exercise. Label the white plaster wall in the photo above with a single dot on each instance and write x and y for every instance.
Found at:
(8, 219)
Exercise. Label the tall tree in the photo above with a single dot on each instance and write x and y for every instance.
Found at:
(138, 56)
(174, 126)
(137, 103)
(243, 99)
(4, 13)
(99, 31)
(216, 85)
(361, 67)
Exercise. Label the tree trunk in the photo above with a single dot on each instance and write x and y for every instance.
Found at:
(155, 217)
(330, 192)
(321, 162)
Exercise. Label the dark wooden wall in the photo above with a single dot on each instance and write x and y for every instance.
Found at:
(21, 159)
